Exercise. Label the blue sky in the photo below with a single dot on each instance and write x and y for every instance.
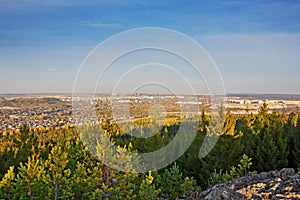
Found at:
(255, 44)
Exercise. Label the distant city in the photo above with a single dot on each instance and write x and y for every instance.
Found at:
(48, 111)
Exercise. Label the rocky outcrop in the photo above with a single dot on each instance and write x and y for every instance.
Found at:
(283, 184)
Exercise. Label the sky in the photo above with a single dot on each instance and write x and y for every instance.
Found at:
(255, 44)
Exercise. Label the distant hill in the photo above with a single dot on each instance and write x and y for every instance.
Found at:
(265, 96)
(28, 102)
(2, 99)
(4, 102)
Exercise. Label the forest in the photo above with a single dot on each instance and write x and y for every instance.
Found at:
(56, 164)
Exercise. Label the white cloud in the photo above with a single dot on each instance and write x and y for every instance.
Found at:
(100, 24)
(52, 69)
(27, 4)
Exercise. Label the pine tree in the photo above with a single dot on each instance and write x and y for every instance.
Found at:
(30, 179)
(265, 156)
(57, 175)
(7, 183)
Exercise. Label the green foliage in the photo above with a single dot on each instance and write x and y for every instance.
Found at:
(189, 186)
(6, 184)
(148, 190)
(170, 182)
(244, 166)
(235, 172)
(85, 181)
(52, 178)
(292, 129)
(57, 173)
(217, 177)
(30, 179)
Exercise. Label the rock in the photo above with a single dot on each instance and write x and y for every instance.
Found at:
(220, 193)
(107, 196)
(286, 172)
(284, 184)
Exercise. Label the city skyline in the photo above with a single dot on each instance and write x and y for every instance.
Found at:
(255, 44)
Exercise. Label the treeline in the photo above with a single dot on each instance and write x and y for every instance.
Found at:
(55, 164)
(270, 140)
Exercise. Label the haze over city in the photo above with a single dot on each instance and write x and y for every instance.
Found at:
(255, 44)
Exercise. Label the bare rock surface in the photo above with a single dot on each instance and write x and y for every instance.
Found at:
(274, 185)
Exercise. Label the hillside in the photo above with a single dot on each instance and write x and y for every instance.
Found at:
(29, 102)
